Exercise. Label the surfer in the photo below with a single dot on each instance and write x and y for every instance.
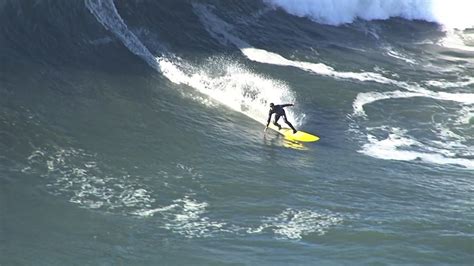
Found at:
(279, 112)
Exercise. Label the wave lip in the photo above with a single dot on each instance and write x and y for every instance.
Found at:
(106, 13)
(334, 12)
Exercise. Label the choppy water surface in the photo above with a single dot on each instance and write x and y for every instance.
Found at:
(132, 133)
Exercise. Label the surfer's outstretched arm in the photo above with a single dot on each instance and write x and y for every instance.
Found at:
(286, 105)
(268, 121)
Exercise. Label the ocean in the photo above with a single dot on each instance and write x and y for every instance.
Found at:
(132, 132)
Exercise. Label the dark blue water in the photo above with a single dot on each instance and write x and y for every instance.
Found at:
(131, 132)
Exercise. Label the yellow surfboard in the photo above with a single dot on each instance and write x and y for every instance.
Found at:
(298, 136)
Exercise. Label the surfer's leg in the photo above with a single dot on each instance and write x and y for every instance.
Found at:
(289, 124)
(275, 122)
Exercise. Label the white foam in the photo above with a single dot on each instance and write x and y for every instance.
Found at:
(233, 85)
(456, 14)
(262, 56)
(390, 148)
(399, 146)
(74, 174)
(151, 212)
(187, 217)
(466, 116)
(451, 150)
(294, 224)
(457, 40)
(393, 53)
(451, 143)
(365, 98)
(466, 81)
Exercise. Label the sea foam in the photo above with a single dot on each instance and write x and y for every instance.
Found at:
(232, 85)
(336, 12)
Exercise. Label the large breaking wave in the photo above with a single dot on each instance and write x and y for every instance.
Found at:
(335, 12)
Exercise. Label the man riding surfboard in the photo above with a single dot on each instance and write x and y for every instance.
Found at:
(279, 112)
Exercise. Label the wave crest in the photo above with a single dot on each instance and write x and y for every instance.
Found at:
(338, 12)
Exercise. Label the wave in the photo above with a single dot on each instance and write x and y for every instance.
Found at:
(334, 12)
(232, 85)
(220, 30)
(237, 87)
(242, 89)
(245, 101)
(107, 14)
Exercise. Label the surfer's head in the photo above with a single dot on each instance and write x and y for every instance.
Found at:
(271, 105)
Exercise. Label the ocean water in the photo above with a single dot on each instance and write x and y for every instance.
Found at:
(131, 132)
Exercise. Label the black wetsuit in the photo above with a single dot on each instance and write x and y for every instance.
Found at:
(279, 112)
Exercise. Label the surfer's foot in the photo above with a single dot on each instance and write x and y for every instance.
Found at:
(294, 131)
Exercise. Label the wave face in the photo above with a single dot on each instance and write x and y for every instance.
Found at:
(335, 12)
(135, 129)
